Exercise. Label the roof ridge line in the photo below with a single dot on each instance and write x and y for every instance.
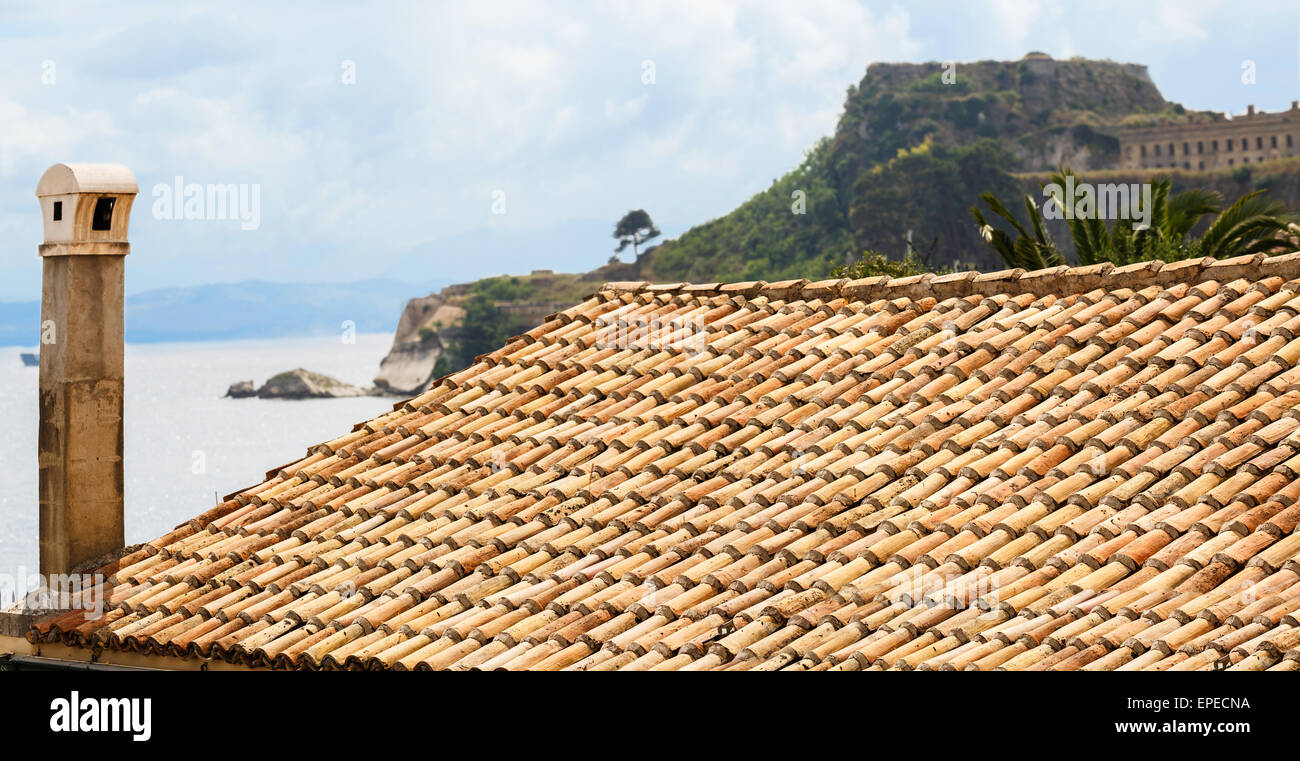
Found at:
(1044, 282)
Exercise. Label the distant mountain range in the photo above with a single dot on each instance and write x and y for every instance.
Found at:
(250, 309)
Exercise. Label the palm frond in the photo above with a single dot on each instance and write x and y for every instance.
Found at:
(1041, 236)
(1250, 213)
(995, 205)
(997, 239)
(1185, 209)
(1242, 236)
(1160, 203)
(1028, 251)
(1250, 225)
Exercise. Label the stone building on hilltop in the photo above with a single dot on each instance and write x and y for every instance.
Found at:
(1212, 141)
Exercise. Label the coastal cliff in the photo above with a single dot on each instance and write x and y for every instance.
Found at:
(433, 327)
(426, 325)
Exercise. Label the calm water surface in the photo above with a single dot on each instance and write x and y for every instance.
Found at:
(184, 442)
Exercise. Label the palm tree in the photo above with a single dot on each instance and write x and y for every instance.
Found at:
(1250, 225)
(1034, 252)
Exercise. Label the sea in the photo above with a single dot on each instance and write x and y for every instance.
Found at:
(185, 444)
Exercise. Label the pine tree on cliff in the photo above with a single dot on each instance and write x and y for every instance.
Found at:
(633, 229)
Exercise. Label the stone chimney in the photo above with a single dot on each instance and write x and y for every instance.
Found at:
(85, 208)
(1250, 110)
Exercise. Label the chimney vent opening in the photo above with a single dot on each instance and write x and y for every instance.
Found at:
(103, 218)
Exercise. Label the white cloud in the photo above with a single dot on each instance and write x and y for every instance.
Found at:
(154, 95)
(627, 109)
(1178, 20)
(1015, 18)
(453, 100)
(30, 133)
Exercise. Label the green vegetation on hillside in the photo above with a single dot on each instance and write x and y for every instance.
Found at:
(551, 287)
(876, 264)
(916, 142)
(482, 330)
(925, 190)
(486, 324)
(795, 228)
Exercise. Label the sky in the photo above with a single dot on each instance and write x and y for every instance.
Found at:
(444, 141)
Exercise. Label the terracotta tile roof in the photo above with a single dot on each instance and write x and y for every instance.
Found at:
(1080, 469)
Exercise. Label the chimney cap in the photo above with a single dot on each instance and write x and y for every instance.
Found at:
(65, 179)
(86, 209)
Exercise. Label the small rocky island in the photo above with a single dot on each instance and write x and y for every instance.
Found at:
(297, 384)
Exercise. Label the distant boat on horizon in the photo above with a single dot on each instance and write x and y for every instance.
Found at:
(30, 360)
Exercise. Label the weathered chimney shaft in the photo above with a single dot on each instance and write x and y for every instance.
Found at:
(86, 209)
